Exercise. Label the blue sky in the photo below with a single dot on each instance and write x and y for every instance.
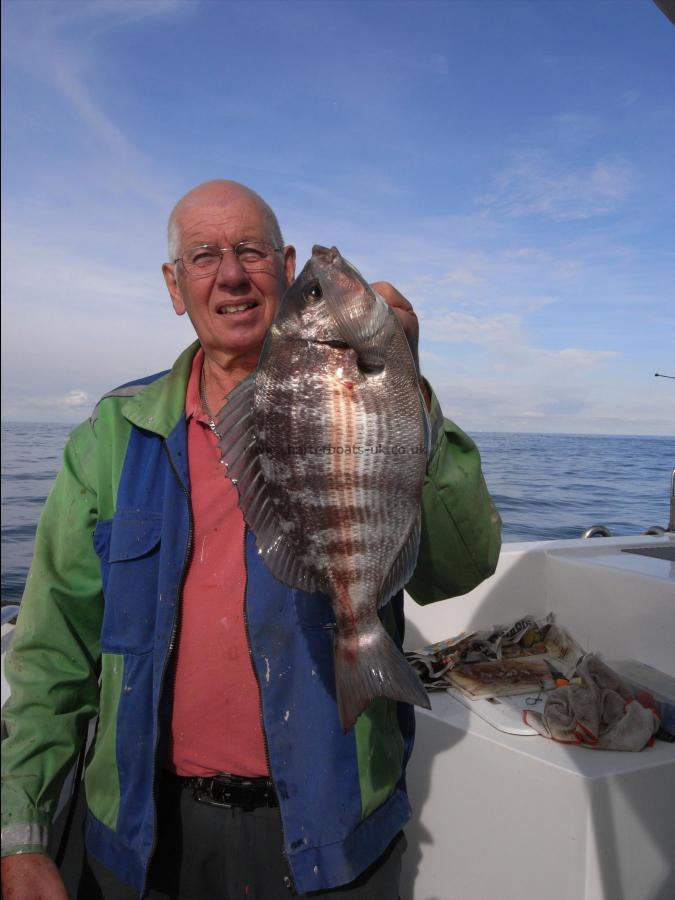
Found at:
(507, 164)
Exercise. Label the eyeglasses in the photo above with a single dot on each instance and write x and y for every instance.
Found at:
(204, 259)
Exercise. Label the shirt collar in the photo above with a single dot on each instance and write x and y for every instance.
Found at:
(193, 399)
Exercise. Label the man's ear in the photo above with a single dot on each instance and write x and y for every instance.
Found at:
(289, 264)
(169, 273)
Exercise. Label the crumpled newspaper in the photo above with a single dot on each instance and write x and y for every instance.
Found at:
(524, 639)
(596, 709)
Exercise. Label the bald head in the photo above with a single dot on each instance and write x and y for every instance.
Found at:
(221, 192)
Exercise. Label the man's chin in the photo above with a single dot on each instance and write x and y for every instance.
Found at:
(242, 337)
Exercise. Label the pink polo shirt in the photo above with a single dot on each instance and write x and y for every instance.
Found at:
(216, 724)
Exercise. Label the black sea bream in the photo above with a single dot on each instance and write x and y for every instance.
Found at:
(327, 442)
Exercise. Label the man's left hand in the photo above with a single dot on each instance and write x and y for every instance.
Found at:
(406, 314)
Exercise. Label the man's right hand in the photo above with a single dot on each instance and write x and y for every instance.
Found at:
(31, 876)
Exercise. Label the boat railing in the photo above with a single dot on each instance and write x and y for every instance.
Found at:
(9, 612)
(596, 531)
(657, 530)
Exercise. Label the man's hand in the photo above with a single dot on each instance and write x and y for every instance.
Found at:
(408, 319)
(406, 314)
(31, 876)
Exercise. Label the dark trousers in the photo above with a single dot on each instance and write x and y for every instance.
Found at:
(213, 853)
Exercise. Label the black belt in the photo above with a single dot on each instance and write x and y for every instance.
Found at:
(231, 791)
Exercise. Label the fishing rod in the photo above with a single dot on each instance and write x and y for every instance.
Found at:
(657, 375)
(667, 7)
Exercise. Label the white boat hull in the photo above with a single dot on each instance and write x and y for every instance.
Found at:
(521, 817)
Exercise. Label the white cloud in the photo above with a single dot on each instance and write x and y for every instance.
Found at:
(58, 45)
(75, 398)
(540, 400)
(575, 356)
(460, 327)
(65, 277)
(536, 183)
(461, 275)
(523, 320)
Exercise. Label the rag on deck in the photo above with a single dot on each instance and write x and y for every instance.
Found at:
(599, 711)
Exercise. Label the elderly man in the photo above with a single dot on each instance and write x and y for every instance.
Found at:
(148, 606)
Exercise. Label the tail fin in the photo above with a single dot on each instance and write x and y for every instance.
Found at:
(371, 665)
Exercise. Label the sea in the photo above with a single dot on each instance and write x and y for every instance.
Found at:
(546, 486)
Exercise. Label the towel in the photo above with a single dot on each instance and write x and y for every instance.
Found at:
(596, 709)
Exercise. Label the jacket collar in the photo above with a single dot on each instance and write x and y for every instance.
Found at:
(160, 405)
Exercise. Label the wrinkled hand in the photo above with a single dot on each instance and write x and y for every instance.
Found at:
(405, 313)
(31, 876)
(408, 319)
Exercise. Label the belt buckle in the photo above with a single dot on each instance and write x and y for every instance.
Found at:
(203, 793)
(224, 792)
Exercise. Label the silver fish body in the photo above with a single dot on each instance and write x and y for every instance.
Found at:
(327, 442)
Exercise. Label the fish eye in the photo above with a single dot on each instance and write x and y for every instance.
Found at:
(313, 292)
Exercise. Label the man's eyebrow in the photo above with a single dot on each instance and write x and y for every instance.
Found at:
(243, 240)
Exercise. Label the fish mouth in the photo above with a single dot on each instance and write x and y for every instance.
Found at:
(232, 309)
(336, 343)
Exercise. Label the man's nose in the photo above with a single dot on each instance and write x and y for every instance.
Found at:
(230, 272)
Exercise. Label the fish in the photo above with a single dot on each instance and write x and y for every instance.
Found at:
(327, 442)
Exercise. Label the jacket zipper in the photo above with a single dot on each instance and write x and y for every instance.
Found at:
(288, 880)
(169, 653)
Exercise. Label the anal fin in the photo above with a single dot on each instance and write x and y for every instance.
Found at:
(404, 564)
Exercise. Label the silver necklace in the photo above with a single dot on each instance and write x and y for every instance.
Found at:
(205, 405)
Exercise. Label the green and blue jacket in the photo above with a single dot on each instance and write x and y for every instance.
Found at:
(98, 624)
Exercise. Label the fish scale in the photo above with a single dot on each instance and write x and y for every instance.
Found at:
(312, 441)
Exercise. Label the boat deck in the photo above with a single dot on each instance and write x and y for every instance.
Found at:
(519, 816)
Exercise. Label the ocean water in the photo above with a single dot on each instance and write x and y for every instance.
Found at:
(546, 486)
(550, 486)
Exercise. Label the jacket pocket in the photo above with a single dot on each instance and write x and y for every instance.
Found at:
(128, 547)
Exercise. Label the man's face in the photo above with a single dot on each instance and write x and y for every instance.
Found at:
(230, 309)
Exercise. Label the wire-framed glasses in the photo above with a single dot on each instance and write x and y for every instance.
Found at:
(204, 259)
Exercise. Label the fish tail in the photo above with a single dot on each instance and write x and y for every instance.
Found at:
(370, 666)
